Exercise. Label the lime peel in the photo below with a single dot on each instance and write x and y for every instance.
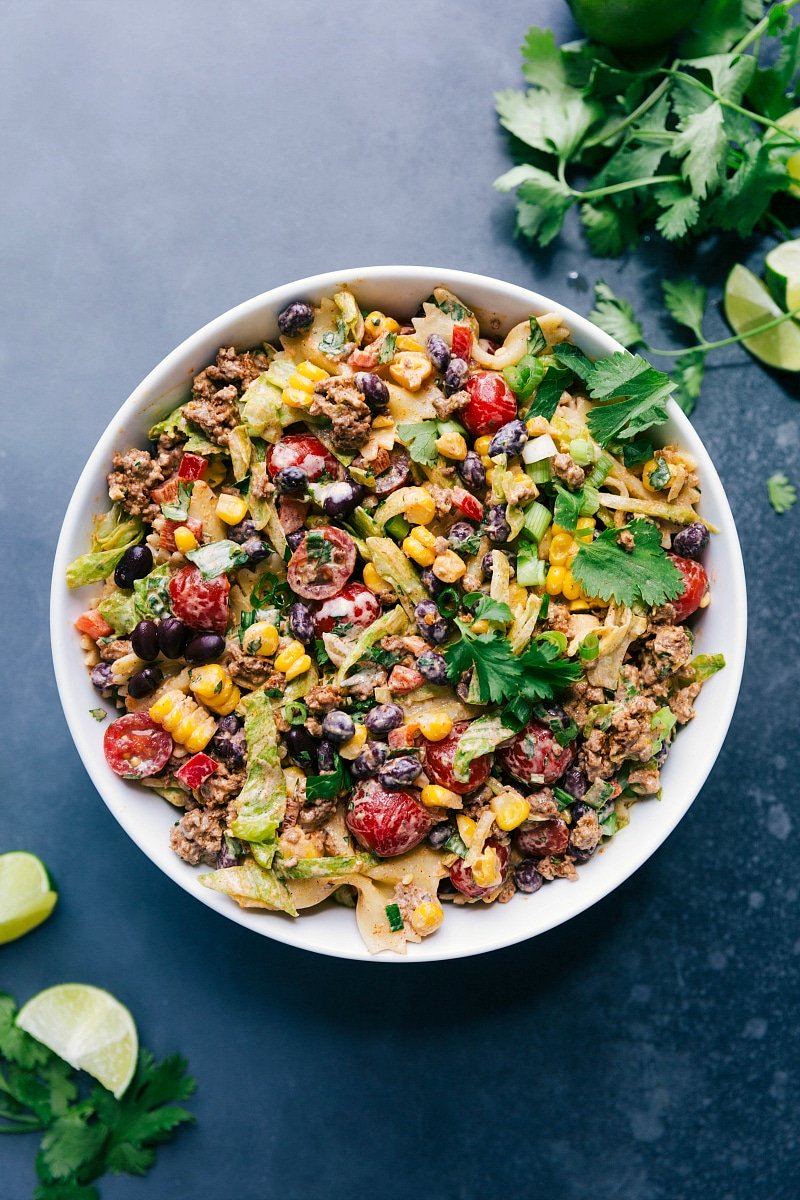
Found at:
(26, 897)
(748, 305)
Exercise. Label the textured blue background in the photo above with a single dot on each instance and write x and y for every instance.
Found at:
(161, 162)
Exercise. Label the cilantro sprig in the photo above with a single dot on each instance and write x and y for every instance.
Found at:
(644, 574)
(782, 494)
(690, 146)
(537, 674)
(85, 1137)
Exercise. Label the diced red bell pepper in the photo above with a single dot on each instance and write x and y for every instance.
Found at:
(166, 539)
(192, 466)
(166, 492)
(197, 770)
(93, 624)
(366, 359)
(404, 679)
(462, 342)
(468, 504)
(402, 738)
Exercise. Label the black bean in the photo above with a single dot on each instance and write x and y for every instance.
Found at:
(243, 531)
(472, 471)
(144, 682)
(399, 773)
(526, 876)
(144, 640)
(692, 541)
(440, 834)
(256, 549)
(302, 748)
(580, 856)
(293, 540)
(338, 726)
(431, 625)
(326, 757)
(509, 439)
(432, 582)
(204, 647)
(226, 856)
(459, 533)
(135, 563)
(495, 525)
(463, 686)
(383, 718)
(295, 318)
(396, 475)
(487, 563)
(455, 376)
(301, 623)
(370, 760)
(575, 782)
(438, 351)
(101, 676)
(374, 390)
(342, 497)
(172, 637)
(229, 742)
(291, 480)
(432, 666)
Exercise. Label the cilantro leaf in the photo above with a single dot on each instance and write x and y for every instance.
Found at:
(497, 670)
(178, 509)
(689, 371)
(680, 211)
(616, 316)
(548, 393)
(645, 574)
(545, 673)
(610, 228)
(327, 787)
(420, 437)
(567, 507)
(702, 144)
(633, 397)
(782, 494)
(686, 303)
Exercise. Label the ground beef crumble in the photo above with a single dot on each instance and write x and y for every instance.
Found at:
(216, 415)
(134, 475)
(322, 698)
(252, 670)
(198, 835)
(568, 471)
(445, 406)
(341, 402)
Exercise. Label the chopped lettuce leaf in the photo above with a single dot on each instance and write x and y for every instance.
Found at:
(240, 449)
(113, 534)
(393, 621)
(178, 509)
(263, 510)
(392, 565)
(173, 422)
(251, 886)
(216, 558)
(92, 568)
(151, 596)
(481, 737)
(263, 412)
(120, 611)
(323, 868)
(261, 804)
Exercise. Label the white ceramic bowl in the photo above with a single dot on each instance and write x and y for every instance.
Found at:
(332, 929)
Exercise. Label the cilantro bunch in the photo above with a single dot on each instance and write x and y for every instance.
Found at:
(84, 1138)
(690, 144)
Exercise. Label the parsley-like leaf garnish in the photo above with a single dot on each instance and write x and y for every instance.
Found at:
(631, 395)
(782, 494)
(616, 316)
(420, 437)
(645, 573)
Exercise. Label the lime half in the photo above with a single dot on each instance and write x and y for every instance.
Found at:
(783, 274)
(792, 121)
(86, 1027)
(749, 304)
(26, 898)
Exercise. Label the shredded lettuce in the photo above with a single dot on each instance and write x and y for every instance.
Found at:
(261, 804)
(263, 510)
(251, 886)
(151, 596)
(173, 422)
(325, 868)
(263, 412)
(394, 621)
(680, 514)
(392, 565)
(119, 610)
(703, 666)
(240, 449)
(481, 737)
(113, 534)
(215, 558)
(662, 723)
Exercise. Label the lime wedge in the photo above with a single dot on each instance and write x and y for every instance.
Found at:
(749, 304)
(26, 898)
(86, 1027)
(783, 274)
(792, 121)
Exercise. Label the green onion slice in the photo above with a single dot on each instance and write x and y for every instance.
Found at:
(448, 602)
(555, 638)
(589, 647)
(295, 713)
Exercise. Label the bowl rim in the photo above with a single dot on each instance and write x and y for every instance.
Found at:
(83, 500)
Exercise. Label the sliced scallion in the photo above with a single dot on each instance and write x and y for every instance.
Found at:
(539, 472)
(448, 602)
(589, 648)
(295, 713)
(537, 521)
(600, 471)
(554, 637)
(591, 501)
(582, 451)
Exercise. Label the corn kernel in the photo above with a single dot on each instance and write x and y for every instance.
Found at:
(510, 810)
(414, 549)
(570, 588)
(486, 870)
(231, 509)
(420, 506)
(434, 796)
(354, 745)
(482, 444)
(376, 323)
(184, 539)
(654, 465)
(479, 626)
(410, 369)
(585, 529)
(453, 445)
(406, 342)
(300, 383)
(427, 917)
(298, 668)
(466, 828)
(449, 567)
(296, 398)
(189, 724)
(580, 605)
(554, 580)
(216, 689)
(312, 371)
(561, 549)
(423, 535)
(289, 655)
(261, 638)
(487, 462)
(435, 726)
(375, 582)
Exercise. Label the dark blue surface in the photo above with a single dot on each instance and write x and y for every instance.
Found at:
(161, 162)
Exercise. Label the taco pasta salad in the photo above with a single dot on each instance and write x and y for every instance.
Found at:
(396, 614)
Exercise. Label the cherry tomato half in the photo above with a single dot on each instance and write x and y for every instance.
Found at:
(462, 342)
(468, 504)
(354, 607)
(387, 823)
(695, 582)
(542, 838)
(461, 876)
(322, 563)
(491, 403)
(135, 746)
(305, 451)
(438, 762)
(201, 603)
(535, 751)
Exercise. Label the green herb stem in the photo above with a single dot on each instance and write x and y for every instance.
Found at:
(729, 341)
(614, 188)
(744, 112)
(646, 104)
(757, 30)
